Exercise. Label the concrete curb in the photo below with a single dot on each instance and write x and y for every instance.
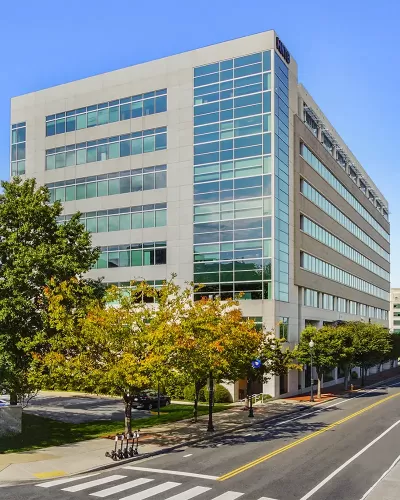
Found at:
(214, 435)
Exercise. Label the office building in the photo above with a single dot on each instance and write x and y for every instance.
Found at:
(216, 164)
(394, 313)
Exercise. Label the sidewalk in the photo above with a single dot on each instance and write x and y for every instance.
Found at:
(334, 391)
(79, 457)
(85, 455)
(389, 487)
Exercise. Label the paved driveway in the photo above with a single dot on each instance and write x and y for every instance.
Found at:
(78, 408)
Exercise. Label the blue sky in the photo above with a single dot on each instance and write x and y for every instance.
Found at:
(347, 52)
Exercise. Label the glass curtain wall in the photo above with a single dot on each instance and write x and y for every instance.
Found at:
(281, 178)
(232, 177)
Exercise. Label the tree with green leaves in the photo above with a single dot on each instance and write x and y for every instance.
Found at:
(274, 359)
(34, 249)
(108, 349)
(371, 343)
(330, 348)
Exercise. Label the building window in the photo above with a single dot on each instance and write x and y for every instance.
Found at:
(133, 255)
(108, 148)
(121, 219)
(327, 301)
(371, 197)
(396, 322)
(318, 266)
(341, 159)
(107, 112)
(319, 167)
(310, 298)
(352, 174)
(396, 306)
(328, 239)
(258, 321)
(327, 142)
(341, 305)
(363, 310)
(352, 307)
(18, 148)
(311, 123)
(283, 328)
(324, 204)
(128, 181)
(363, 187)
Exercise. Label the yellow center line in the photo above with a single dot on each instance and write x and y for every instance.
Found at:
(302, 440)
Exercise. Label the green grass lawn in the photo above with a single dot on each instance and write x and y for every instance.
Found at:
(39, 432)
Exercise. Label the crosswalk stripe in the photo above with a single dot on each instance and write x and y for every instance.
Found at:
(64, 480)
(191, 493)
(173, 472)
(121, 487)
(90, 484)
(266, 498)
(228, 495)
(152, 491)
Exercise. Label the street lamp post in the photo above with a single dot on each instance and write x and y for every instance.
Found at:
(256, 364)
(311, 344)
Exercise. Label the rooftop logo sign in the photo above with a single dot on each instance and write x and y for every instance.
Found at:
(283, 51)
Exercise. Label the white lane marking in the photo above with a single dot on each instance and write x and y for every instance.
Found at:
(96, 482)
(174, 472)
(349, 461)
(64, 480)
(189, 455)
(380, 479)
(228, 495)
(191, 493)
(266, 498)
(152, 491)
(121, 487)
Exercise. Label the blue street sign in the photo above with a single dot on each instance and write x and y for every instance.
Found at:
(256, 363)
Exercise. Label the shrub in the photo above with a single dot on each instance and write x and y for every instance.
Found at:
(354, 375)
(174, 387)
(189, 393)
(221, 394)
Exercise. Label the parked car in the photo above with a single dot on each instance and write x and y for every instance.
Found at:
(148, 400)
(3, 403)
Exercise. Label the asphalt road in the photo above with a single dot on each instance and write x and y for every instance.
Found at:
(77, 409)
(336, 451)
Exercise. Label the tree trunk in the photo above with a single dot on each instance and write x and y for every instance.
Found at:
(197, 388)
(362, 375)
(346, 369)
(128, 414)
(319, 386)
(13, 398)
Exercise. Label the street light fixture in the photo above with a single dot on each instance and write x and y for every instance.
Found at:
(311, 345)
